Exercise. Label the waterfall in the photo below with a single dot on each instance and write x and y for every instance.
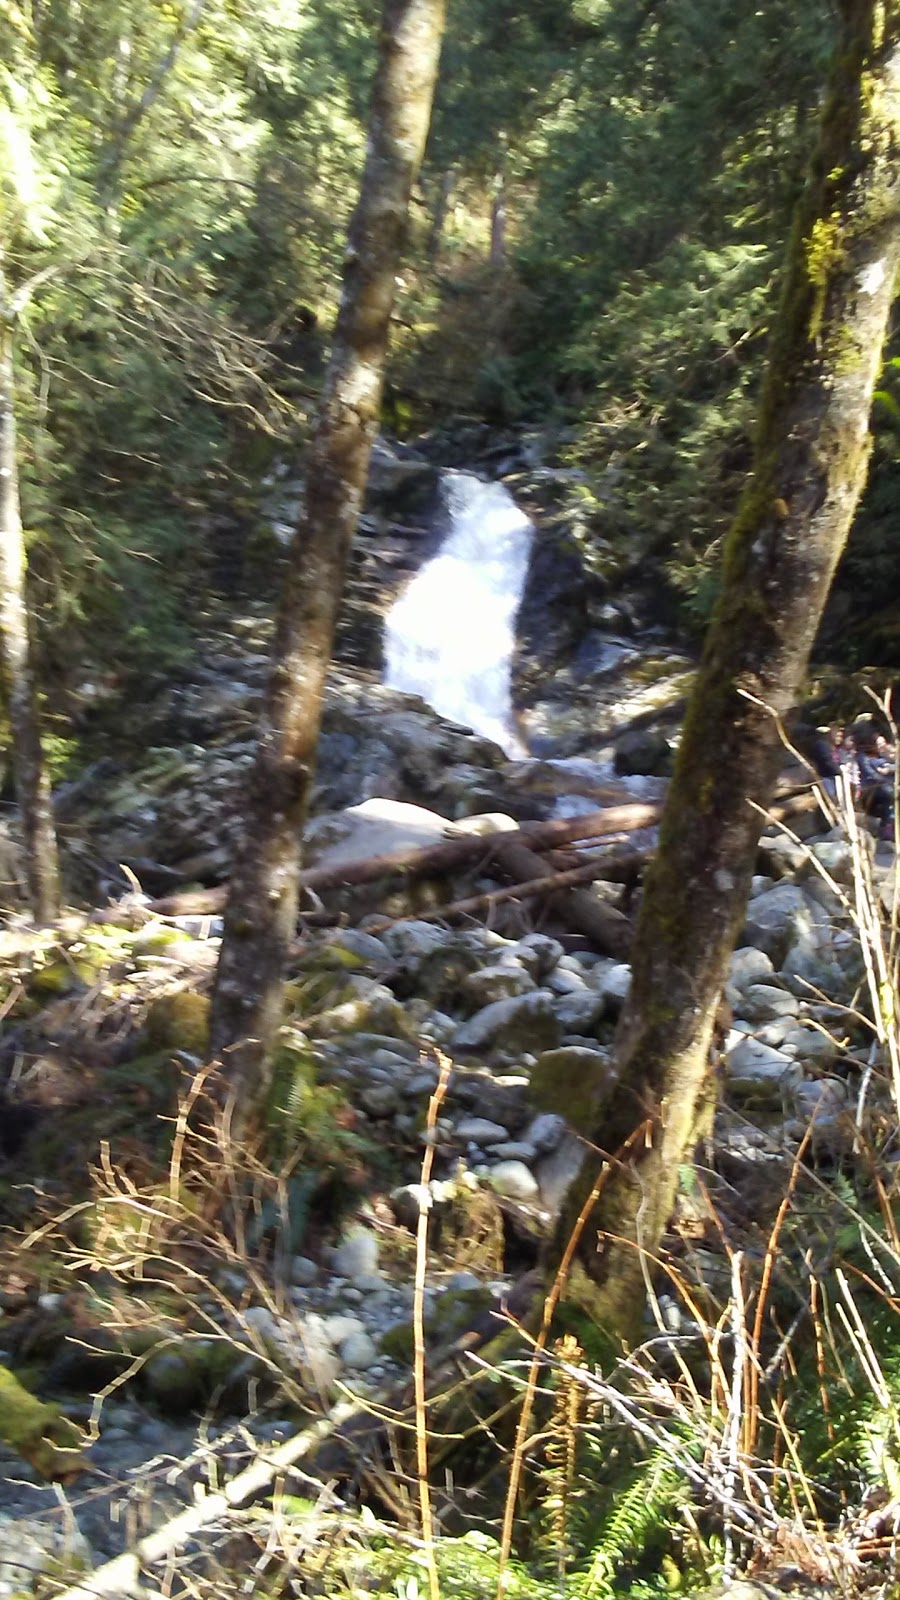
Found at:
(450, 636)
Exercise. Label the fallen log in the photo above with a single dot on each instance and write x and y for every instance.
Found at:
(618, 868)
(608, 930)
(435, 858)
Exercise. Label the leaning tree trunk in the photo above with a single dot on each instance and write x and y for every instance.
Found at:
(262, 909)
(29, 771)
(809, 470)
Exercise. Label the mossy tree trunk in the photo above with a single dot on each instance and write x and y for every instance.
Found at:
(809, 469)
(29, 768)
(262, 909)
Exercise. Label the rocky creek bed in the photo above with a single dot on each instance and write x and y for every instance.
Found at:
(114, 1016)
(245, 1331)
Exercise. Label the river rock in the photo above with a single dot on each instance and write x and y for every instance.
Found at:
(779, 917)
(749, 965)
(513, 1180)
(572, 1082)
(546, 1131)
(500, 982)
(757, 1072)
(645, 752)
(359, 1351)
(379, 1100)
(478, 1130)
(304, 1272)
(780, 856)
(580, 1013)
(411, 941)
(810, 970)
(30, 1550)
(821, 1097)
(615, 987)
(351, 946)
(812, 1046)
(538, 952)
(763, 1002)
(374, 828)
(356, 1254)
(523, 1023)
(557, 1170)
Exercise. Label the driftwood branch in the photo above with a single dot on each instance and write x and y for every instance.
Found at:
(121, 1576)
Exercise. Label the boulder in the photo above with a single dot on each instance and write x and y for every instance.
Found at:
(643, 752)
(780, 856)
(572, 1082)
(523, 1024)
(756, 1072)
(778, 917)
(749, 965)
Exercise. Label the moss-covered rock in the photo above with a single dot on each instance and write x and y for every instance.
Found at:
(36, 1431)
(572, 1081)
(179, 1021)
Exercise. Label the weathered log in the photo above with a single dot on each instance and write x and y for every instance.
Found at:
(434, 858)
(620, 867)
(608, 930)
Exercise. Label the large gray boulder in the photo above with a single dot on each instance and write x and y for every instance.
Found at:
(782, 916)
(523, 1024)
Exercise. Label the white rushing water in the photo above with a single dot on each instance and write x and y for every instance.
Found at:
(450, 636)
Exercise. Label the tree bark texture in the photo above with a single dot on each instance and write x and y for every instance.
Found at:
(29, 771)
(809, 469)
(262, 909)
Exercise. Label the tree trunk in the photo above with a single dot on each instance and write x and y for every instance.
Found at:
(809, 469)
(441, 208)
(262, 909)
(29, 771)
(498, 210)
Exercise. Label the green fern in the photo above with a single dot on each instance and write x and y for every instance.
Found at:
(641, 1513)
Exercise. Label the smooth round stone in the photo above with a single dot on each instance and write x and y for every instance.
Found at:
(370, 1283)
(304, 1272)
(514, 1180)
(379, 1100)
(359, 1352)
(479, 1130)
(338, 1328)
(512, 1150)
(546, 1131)
(356, 1255)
